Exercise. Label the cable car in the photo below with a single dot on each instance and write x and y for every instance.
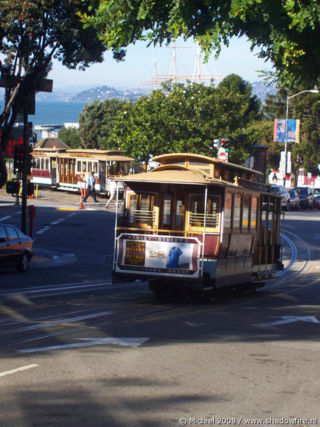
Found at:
(67, 168)
(196, 223)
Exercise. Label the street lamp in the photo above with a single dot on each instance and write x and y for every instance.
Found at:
(286, 131)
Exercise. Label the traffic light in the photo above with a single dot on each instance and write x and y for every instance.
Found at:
(225, 143)
(18, 158)
(13, 187)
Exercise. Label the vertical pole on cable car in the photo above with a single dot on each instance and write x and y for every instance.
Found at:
(282, 233)
(24, 173)
(204, 227)
(115, 229)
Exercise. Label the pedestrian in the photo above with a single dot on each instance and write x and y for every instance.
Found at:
(112, 188)
(91, 188)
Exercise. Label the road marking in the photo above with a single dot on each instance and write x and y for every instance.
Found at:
(89, 342)
(39, 324)
(22, 368)
(290, 319)
(58, 221)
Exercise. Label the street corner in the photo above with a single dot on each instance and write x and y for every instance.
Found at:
(46, 258)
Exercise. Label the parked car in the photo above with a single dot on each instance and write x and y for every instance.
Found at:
(316, 198)
(15, 248)
(285, 196)
(294, 199)
(306, 197)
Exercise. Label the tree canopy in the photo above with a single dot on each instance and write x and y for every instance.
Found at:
(286, 32)
(306, 153)
(70, 136)
(32, 33)
(187, 118)
(97, 121)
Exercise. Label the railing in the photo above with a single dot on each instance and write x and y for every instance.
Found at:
(142, 217)
(197, 220)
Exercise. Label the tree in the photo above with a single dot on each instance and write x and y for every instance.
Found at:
(96, 123)
(306, 153)
(285, 32)
(70, 136)
(32, 33)
(187, 118)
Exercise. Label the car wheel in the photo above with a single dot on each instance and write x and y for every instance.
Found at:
(24, 263)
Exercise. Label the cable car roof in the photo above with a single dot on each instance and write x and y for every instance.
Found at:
(187, 157)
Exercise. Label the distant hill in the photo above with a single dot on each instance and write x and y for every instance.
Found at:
(261, 90)
(92, 94)
(79, 94)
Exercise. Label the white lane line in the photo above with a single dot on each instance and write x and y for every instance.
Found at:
(290, 319)
(22, 368)
(67, 320)
(58, 221)
(88, 342)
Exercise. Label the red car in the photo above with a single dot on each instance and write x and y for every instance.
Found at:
(15, 248)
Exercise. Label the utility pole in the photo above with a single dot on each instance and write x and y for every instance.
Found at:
(27, 107)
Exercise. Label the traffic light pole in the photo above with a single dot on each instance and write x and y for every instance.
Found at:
(24, 174)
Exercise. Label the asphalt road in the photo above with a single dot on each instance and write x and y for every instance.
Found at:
(75, 349)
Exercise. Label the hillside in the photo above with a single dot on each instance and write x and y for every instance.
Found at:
(79, 94)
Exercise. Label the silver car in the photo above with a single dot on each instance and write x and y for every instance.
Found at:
(285, 196)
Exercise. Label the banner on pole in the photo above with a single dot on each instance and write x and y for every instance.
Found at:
(279, 130)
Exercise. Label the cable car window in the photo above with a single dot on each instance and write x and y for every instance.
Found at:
(89, 167)
(246, 211)
(197, 216)
(253, 216)
(198, 162)
(167, 209)
(78, 166)
(133, 208)
(141, 209)
(175, 162)
(179, 212)
(237, 211)
(113, 168)
(95, 167)
(228, 210)
(36, 163)
(84, 167)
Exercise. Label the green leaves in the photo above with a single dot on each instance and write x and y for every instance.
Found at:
(285, 32)
(32, 33)
(187, 118)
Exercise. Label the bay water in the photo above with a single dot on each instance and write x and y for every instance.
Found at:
(58, 113)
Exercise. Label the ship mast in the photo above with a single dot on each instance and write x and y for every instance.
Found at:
(174, 76)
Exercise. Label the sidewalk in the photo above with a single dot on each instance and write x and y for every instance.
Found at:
(58, 199)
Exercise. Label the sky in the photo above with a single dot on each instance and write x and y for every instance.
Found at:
(137, 70)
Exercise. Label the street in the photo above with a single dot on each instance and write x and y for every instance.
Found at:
(75, 349)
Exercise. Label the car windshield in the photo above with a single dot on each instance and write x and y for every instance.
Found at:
(275, 190)
(303, 191)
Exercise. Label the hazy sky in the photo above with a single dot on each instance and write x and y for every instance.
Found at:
(138, 66)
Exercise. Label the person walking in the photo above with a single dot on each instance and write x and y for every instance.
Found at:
(112, 192)
(91, 188)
